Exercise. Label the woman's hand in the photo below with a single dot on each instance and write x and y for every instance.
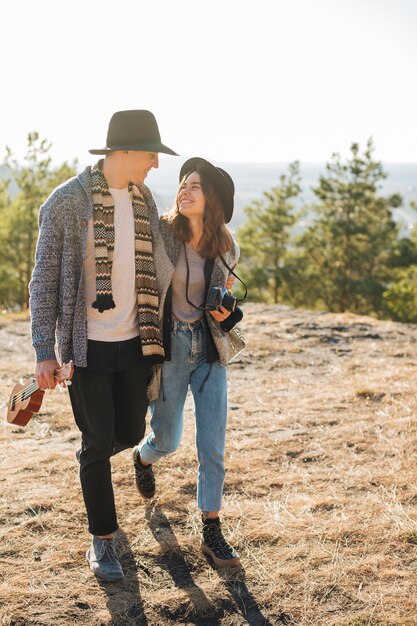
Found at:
(221, 315)
(230, 281)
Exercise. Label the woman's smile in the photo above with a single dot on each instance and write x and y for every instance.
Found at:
(191, 198)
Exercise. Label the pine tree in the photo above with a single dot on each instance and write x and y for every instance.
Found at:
(35, 181)
(265, 236)
(400, 299)
(8, 282)
(348, 248)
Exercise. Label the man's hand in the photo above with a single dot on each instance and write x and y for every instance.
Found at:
(45, 374)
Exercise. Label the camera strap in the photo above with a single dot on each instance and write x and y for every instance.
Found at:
(202, 307)
(239, 279)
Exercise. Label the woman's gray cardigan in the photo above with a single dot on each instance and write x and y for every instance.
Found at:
(57, 288)
(167, 251)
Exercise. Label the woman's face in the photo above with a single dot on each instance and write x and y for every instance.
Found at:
(191, 200)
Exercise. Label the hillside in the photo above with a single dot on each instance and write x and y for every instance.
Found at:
(320, 498)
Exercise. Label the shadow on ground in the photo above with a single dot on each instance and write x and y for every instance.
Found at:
(204, 612)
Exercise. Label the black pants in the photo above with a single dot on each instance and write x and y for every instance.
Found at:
(109, 403)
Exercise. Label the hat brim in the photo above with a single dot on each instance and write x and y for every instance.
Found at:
(221, 179)
(152, 146)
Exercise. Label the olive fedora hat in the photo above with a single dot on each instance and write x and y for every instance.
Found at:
(136, 129)
(219, 177)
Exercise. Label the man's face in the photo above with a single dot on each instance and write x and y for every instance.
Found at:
(139, 164)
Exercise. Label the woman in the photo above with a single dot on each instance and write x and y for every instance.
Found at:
(200, 254)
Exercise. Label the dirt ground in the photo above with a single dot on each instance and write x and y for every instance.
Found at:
(320, 495)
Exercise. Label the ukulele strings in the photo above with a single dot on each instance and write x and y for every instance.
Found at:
(30, 389)
(25, 393)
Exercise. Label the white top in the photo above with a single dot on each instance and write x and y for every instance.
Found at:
(120, 323)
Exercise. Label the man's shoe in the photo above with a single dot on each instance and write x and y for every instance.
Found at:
(103, 561)
(216, 546)
(145, 479)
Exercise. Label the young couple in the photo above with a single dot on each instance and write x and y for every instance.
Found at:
(125, 294)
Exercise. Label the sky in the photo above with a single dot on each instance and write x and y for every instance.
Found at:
(229, 80)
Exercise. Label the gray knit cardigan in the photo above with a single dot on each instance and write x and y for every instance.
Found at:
(167, 250)
(57, 287)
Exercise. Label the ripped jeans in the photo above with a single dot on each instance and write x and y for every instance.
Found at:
(208, 383)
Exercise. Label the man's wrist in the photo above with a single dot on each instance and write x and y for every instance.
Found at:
(45, 353)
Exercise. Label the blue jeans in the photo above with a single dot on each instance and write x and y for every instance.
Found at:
(208, 383)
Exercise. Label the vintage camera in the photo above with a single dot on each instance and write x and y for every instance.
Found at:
(220, 296)
(231, 321)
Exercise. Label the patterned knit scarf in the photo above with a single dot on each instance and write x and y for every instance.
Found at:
(146, 285)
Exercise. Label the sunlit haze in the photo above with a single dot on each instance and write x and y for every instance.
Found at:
(231, 80)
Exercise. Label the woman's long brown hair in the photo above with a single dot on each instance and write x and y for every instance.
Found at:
(216, 238)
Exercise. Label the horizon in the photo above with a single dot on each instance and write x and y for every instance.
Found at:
(315, 78)
(260, 163)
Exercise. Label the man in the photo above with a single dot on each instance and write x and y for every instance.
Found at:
(94, 287)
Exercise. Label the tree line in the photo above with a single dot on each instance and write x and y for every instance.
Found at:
(350, 256)
(35, 179)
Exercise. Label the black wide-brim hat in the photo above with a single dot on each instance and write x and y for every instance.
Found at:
(133, 130)
(219, 177)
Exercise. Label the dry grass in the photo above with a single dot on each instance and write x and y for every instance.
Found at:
(320, 496)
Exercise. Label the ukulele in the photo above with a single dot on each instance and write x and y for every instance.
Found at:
(26, 398)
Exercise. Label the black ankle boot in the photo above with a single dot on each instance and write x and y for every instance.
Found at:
(216, 546)
(145, 479)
